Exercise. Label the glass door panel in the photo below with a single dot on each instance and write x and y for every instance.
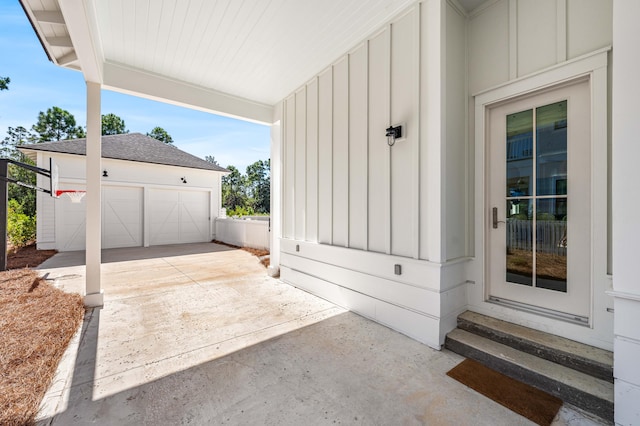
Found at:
(536, 197)
(519, 243)
(551, 244)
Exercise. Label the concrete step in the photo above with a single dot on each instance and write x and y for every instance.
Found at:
(591, 394)
(586, 359)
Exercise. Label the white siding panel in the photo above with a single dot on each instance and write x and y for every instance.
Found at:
(311, 227)
(300, 185)
(403, 102)
(46, 222)
(589, 26)
(456, 167)
(341, 153)
(288, 188)
(325, 157)
(378, 221)
(537, 32)
(358, 148)
(489, 47)
(428, 68)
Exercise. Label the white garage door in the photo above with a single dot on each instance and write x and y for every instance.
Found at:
(121, 219)
(177, 217)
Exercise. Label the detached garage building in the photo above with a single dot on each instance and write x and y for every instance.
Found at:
(152, 194)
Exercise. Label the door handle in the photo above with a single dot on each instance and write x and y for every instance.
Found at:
(494, 215)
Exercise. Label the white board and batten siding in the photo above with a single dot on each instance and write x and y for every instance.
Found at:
(353, 207)
(142, 204)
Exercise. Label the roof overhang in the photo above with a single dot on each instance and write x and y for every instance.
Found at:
(227, 57)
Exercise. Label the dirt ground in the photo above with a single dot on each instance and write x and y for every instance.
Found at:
(263, 255)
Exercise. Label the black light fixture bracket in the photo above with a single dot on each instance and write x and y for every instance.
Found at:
(393, 133)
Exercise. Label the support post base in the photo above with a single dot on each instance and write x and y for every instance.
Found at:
(94, 300)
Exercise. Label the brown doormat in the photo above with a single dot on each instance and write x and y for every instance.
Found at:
(532, 403)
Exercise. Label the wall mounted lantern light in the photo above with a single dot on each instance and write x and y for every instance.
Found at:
(105, 173)
(393, 134)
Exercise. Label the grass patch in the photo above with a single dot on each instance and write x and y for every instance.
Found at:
(36, 325)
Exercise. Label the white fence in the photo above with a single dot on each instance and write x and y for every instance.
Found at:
(551, 235)
(251, 232)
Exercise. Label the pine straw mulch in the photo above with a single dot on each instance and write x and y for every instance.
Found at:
(37, 321)
(261, 254)
(28, 256)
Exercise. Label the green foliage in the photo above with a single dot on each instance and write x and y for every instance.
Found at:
(259, 186)
(211, 159)
(57, 124)
(160, 134)
(21, 228)
(247, 194)
(113, 125)
(233, 190)
(546, 216)
(241, 211)
(17, 136)
(4, 83)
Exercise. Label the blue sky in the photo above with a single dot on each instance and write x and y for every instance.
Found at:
(37, 84)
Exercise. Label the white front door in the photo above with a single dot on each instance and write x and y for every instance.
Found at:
(539, 189)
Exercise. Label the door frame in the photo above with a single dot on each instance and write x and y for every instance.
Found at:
(599, 331)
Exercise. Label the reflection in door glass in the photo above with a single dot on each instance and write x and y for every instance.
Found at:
(536, 197)
(551, 149)
(519, 242)
(551, 244)
(519, 154)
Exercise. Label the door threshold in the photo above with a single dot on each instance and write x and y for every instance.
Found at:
(537, 310)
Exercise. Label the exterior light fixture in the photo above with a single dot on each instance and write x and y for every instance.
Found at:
(393, 133)
(105, 173)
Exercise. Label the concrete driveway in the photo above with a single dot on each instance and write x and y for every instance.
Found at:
(199, 334)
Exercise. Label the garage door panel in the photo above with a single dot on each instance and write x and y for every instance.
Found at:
(122, 217)
(178, 216)
(164, 217)
(194, 221)
(71, 223)
(121, 220)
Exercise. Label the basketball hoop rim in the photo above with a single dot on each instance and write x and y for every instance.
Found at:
(74, 195)
(59, 192)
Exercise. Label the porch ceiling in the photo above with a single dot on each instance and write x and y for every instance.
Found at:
(226, 56)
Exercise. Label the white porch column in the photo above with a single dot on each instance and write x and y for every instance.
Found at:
(276, 194)
(93, 260)
(625, 206)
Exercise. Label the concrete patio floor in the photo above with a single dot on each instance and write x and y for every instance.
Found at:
(199, 334)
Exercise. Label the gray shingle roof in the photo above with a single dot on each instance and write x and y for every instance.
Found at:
(130, 147)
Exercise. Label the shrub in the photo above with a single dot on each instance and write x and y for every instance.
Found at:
(240, 211)
(21, 228)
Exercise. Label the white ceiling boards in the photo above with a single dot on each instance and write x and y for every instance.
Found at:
(253, 51)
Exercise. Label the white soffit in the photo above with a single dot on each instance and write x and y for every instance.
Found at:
(234, 57)
(259, 50)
